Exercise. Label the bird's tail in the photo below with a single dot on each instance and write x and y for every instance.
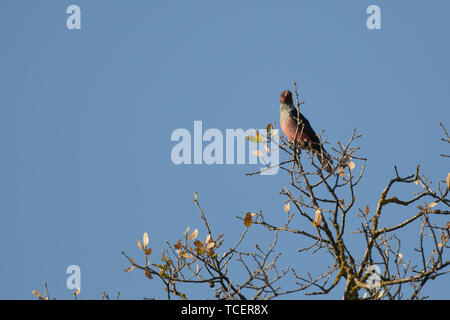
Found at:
(324, 158)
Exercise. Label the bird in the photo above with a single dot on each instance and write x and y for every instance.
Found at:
(306, 136)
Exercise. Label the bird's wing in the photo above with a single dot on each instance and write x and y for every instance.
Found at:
(307, 127)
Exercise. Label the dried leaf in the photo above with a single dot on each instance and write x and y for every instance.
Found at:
(145, 239)
(400, 256)
(186, 255)
(210, 245)
(148, 274)
(443, 239)
(447, 225)
(76, 293)
(341, 171)
(248, 219)
(140, 245)
(317, 218)
(148, 251)
(255, 139)
(367, 210)
(193, 235)
(351, 165)
(287, 206)
(200, 250)
(195, 196)
(431, 205)
(178, 245)
(257, 153)
(208, 238)
(268, 128)
(129, 269)
(187, 230)
(198, 243)
(36, 293)
(342, 202)
(448, 181)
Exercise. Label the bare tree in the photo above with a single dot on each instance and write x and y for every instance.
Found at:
(321, 202)
(324, 201)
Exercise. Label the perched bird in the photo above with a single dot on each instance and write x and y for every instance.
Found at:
(306, 137)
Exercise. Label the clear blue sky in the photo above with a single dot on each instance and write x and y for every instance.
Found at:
(86, 117)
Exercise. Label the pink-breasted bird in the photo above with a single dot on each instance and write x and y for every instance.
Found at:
(306, 137)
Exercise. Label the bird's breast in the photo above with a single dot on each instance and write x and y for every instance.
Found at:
(289, 126)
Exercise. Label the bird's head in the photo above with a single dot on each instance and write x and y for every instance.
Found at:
(286, 97)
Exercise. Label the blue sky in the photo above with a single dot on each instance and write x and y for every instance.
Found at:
(86, 118)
